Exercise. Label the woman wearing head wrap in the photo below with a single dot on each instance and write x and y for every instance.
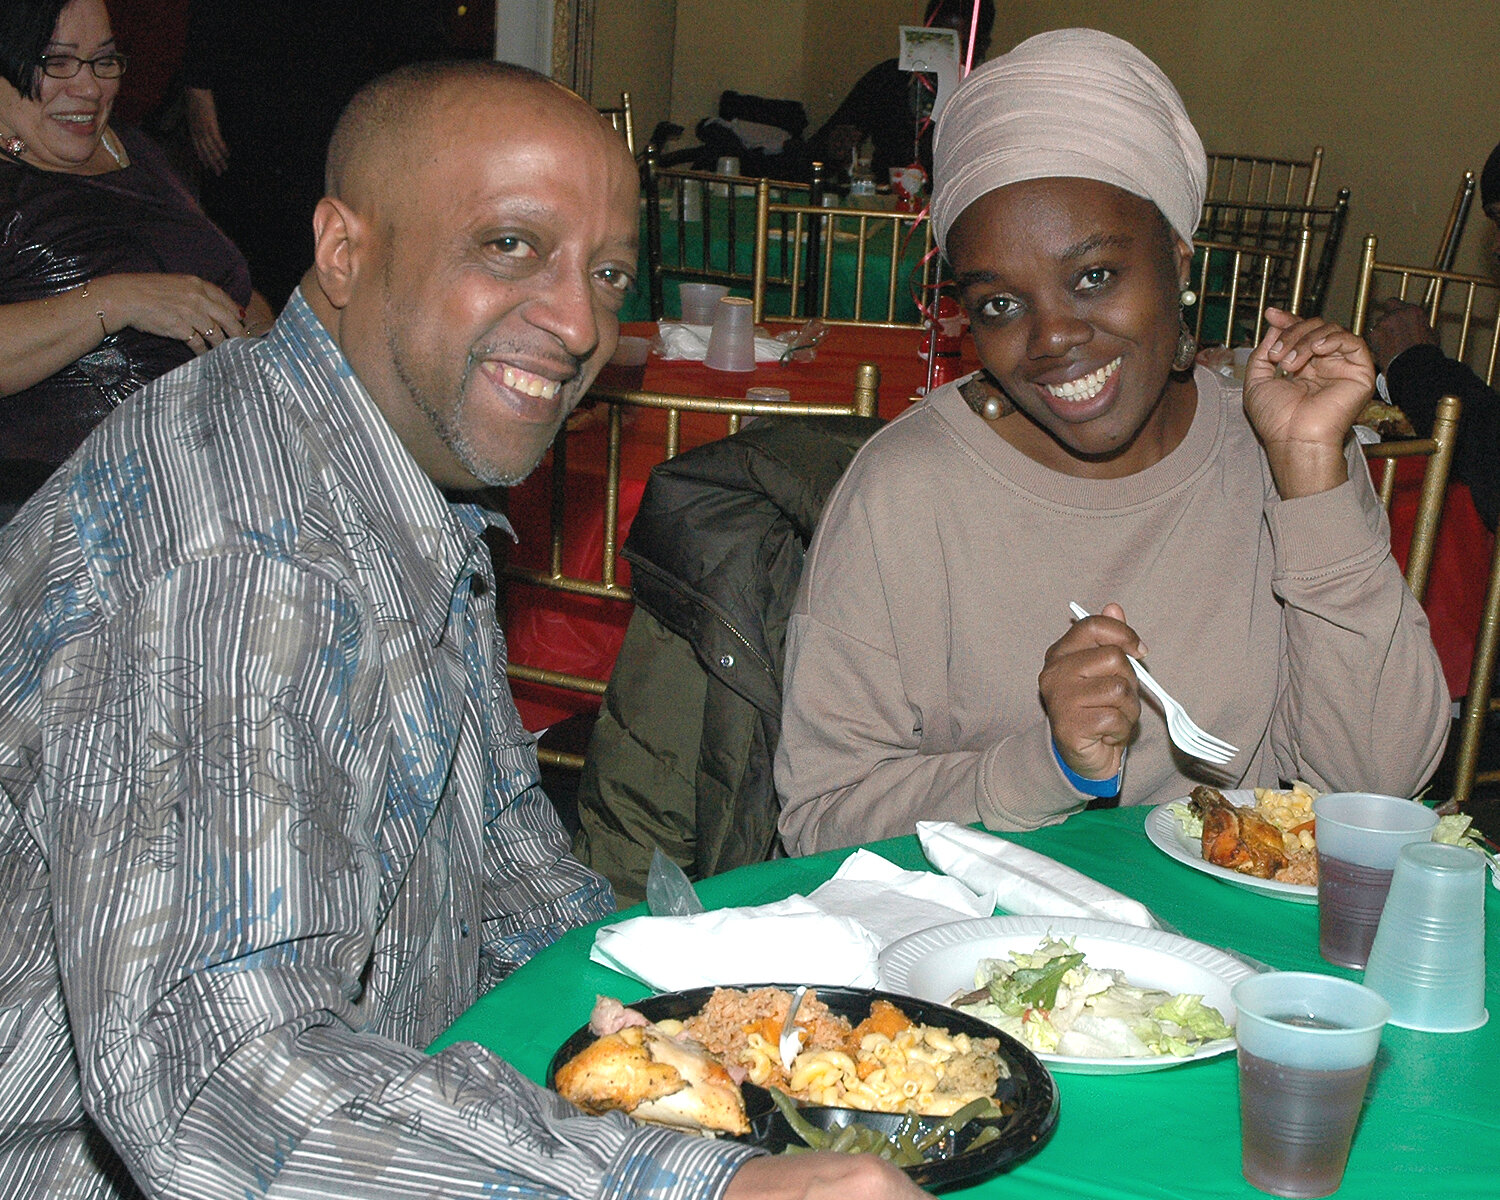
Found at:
(932, 672)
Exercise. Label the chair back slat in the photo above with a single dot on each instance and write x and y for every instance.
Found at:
(849, 246)
(623, 119)
(699, 226)
(1463, 309)
(1259, 225)
(1236, 283)
(1262, 179)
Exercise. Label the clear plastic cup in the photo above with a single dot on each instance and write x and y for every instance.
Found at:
(731, 342)
(1428, 956)
(764, 395)
(700, 301)
(1306, 1046)
(1360, 835)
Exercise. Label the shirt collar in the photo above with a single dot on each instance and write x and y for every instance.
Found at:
(436, 545)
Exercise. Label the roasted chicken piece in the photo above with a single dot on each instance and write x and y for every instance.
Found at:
(1237, 838)
(654, 1077)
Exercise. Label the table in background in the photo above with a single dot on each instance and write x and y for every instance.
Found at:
(844, 269)
(1432, 1114)
(582, 635)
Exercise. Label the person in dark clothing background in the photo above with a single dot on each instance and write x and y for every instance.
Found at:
(1416, 374)
(265, 83)
(892, 107)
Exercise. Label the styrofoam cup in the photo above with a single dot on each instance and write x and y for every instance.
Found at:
(731, 342)
(1428, 956)
(700, 300)
(1360, 835)
(1306, 1046)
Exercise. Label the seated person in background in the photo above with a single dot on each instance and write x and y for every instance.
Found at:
(110, 274)
(1418, 374)
(892, 107)
(273, 821)
(931, 668)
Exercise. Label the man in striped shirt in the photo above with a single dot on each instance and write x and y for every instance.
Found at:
(271, 820)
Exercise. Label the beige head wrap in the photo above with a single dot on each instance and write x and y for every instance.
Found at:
(1075, 103)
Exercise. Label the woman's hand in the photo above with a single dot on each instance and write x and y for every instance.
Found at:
(192, 310)
(1090, 694)
(1304, 386)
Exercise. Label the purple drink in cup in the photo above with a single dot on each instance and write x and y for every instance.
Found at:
(1306, 1046)
(1360, 835)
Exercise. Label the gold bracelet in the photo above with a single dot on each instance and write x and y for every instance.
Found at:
(98, 312)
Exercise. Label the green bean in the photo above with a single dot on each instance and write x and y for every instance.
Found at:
(803, 1128)
(907, 1147)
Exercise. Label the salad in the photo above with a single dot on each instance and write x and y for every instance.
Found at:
(1055, 1003)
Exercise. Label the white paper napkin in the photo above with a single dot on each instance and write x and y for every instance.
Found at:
(791, 941)
(833, 936)
(892, 903)
(1024, 882)
(689, 343)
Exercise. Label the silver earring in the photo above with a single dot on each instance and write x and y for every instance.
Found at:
(1188, 297)
(1187, 349)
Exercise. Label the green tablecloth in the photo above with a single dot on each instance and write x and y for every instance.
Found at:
(877, 264)
(1432, 1116)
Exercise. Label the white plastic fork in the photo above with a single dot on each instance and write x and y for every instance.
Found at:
(1186, 734)
(791, 1035)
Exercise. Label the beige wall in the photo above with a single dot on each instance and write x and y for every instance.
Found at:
(844, 40)
(633, 46)
(1402, 96)
(751, 46)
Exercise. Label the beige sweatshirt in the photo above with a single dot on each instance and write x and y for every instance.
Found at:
(942, 570)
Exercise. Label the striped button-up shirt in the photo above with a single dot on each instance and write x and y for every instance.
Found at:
(270, 819)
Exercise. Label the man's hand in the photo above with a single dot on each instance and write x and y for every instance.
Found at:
(821, 1176)
(1398, 327)
(203, 125)
(1304, 386)
(1090, 694)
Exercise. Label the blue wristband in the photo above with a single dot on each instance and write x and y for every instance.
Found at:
(1101, 788)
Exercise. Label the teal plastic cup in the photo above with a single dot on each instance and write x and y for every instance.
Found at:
(1306, 1046)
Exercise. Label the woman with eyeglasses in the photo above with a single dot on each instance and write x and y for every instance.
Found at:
(110, 273)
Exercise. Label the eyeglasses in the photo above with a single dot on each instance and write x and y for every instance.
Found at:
(66, 66)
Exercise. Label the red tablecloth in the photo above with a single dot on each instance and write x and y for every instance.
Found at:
(581, 635)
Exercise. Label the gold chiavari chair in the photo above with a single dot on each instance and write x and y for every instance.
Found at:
(1438, 450)
(834, 259)
(1263, 180)
(1262, 225)
(864, 402)
(1453, 231)
(1465, 312)
(623, 119)
(1236, 283)
(701, 225)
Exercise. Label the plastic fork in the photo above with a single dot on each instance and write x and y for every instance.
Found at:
(1186, 734)
(791, 1037)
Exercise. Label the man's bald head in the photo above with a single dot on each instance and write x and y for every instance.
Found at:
(392, 120)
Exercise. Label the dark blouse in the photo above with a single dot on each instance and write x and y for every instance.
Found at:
(58, 231)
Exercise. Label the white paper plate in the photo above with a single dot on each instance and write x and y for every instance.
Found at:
(937, 963)
(1167, 835)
